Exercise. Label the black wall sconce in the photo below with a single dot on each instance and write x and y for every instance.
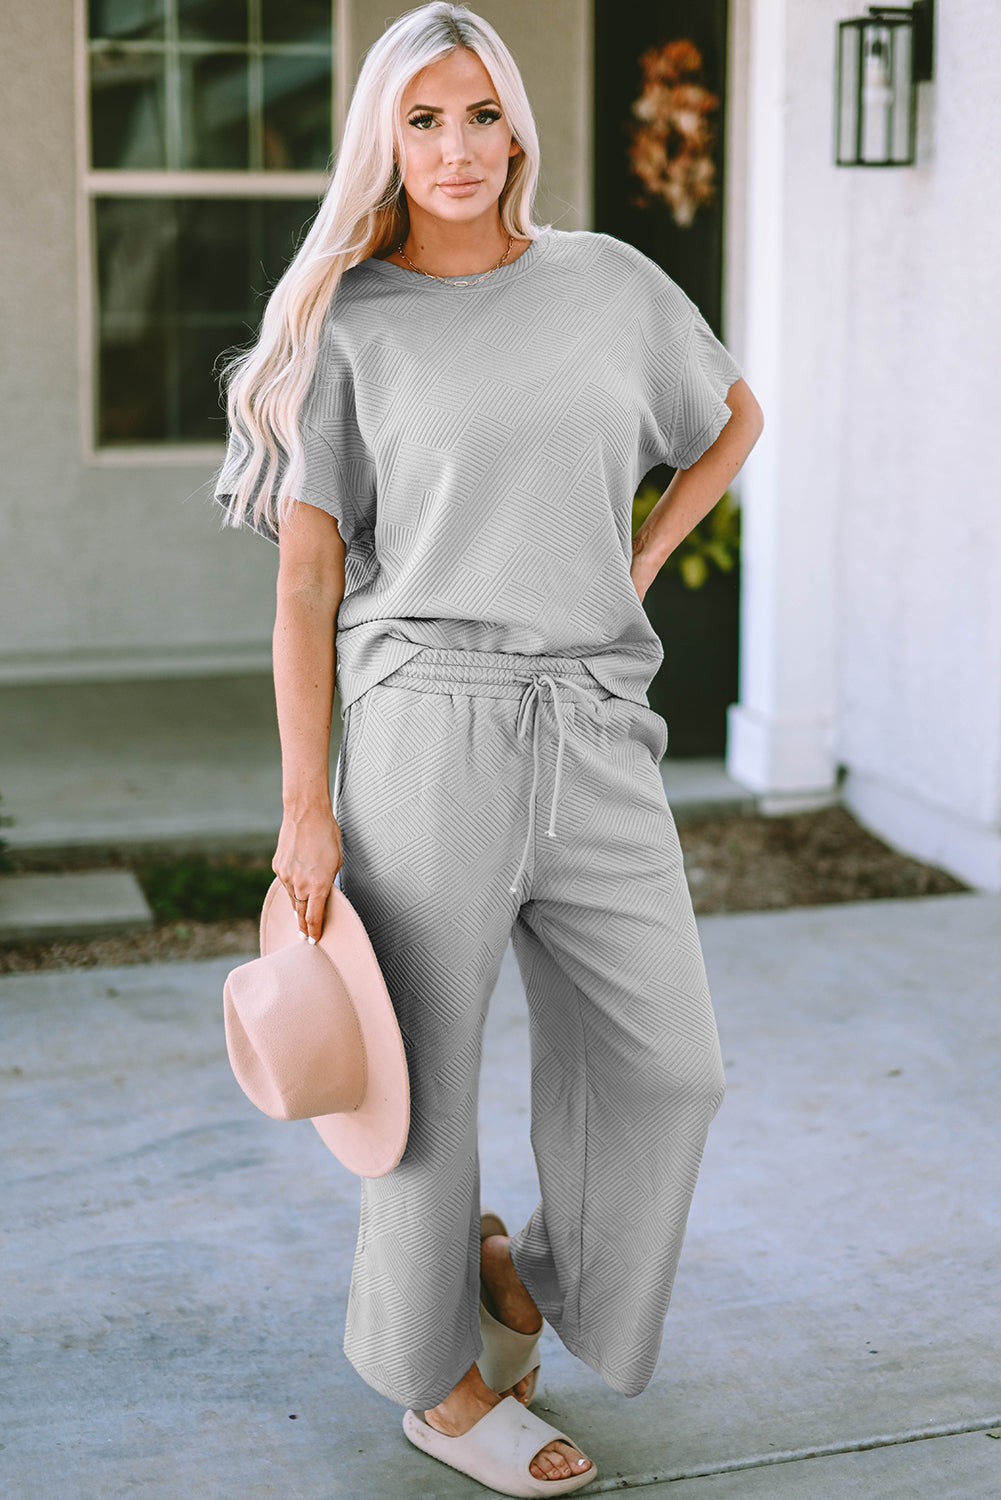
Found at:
(882, 57)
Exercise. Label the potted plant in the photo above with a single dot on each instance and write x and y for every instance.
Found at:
(693, 604)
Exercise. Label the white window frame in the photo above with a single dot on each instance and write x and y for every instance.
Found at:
(159, 183)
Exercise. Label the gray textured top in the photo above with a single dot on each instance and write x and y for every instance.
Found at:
(480, 447)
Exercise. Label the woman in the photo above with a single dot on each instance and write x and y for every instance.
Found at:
(443, 423)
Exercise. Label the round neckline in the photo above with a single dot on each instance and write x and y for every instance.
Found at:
(528, 255)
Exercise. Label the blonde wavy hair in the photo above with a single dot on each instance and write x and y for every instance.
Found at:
(363, 213)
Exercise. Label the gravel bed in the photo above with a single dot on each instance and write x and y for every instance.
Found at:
(737, 862)
(753, 863)
(170, 943)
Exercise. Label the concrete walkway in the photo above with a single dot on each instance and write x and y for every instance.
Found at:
(176, 1264)
(90, 903)
(188, 763)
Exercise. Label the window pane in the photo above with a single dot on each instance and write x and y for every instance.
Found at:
(127, 109)
(212, 20)
(297, 124)
(283, 228)
(296, 20)
(181, 281)
(125, 20)
(134, 246)
(211, 85)
(214, 112)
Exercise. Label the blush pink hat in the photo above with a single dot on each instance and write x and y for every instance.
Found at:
(312, 1034)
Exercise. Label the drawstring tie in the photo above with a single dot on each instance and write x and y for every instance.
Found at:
(528, 708)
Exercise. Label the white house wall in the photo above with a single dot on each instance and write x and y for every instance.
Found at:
(920, 536)
(871, 626)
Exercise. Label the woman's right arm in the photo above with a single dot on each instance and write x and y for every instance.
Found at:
(309, 592)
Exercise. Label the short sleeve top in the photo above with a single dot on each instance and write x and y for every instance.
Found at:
(480, 445)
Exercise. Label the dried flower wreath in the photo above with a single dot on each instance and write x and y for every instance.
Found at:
(671, 143)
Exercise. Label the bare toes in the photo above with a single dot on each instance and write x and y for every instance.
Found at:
(558, 1460)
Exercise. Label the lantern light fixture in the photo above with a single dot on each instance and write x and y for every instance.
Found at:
(882, 57)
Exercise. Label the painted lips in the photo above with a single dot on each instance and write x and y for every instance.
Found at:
(458, 189)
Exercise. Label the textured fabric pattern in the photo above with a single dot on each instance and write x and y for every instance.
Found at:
(435, 789)
(480, 447)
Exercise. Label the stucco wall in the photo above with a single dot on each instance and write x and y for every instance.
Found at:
(871, 629)
(920, 541)
(120, 568)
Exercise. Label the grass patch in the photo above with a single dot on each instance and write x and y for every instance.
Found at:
(202, 889)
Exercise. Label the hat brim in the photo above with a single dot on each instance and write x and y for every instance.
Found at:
(371, 1139)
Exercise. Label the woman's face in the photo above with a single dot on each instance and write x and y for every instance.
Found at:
(458, 141)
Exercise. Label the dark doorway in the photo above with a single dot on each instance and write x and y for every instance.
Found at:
(661, 190)
(692, 255)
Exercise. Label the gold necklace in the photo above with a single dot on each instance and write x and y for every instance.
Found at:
(451, 279)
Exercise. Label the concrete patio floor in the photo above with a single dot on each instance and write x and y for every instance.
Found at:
(176, 1264)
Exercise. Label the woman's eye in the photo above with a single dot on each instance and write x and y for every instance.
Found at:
(482, 117)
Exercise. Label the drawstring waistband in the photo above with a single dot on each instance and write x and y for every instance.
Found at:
(529, 708)
(508, 675)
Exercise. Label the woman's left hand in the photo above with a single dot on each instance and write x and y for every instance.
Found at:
(694, 491)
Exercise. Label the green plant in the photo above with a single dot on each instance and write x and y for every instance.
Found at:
(714, 544)
(200, 889)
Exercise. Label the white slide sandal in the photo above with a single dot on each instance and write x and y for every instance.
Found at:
(498, 1449)
(508, 1356)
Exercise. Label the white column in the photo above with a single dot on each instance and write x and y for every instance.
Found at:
(781, 732)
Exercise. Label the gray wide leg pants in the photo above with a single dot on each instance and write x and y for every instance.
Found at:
(484, 796)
